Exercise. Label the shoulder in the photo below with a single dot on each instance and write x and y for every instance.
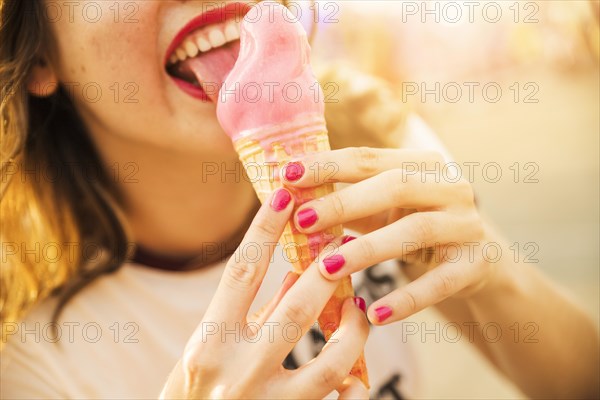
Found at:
(27, 369)
(116, 327)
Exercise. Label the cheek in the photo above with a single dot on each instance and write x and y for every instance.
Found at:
(114, 73)
(106, 49)
(111, 69)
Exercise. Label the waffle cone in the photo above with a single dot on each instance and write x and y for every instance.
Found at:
(262, 159)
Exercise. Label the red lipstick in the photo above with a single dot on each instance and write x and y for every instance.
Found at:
(212, 16)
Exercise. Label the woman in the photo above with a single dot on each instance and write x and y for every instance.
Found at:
(117, 152)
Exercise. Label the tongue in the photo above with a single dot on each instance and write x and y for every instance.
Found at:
(274, 62)
(211, 68)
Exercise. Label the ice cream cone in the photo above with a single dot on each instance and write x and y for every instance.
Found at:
(263, 152)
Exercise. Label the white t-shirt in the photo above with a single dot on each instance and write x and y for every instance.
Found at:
(121, 336)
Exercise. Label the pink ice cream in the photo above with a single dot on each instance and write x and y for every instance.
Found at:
(272, 82)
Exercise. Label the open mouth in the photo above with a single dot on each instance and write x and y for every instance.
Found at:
(207, 46)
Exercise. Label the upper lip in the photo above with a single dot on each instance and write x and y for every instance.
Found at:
(218, 14)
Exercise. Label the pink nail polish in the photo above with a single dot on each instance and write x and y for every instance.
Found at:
(294, 171)
(347, 239)
(334, 263)
(360, 303)
(307, 217)
(383, 313)
(280, 200)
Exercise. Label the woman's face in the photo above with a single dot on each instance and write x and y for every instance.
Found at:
(112, 58)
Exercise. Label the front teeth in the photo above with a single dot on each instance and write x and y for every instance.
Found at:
(205, 39)
(181, 55)
(231, 32)
(190, 48)
(203, 44)
(216, 38)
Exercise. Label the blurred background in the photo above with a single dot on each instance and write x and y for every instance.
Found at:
(544, 58)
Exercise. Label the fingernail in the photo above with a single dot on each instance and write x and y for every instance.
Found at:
(334, 263)
(360, 303)
(294, 171)
(280, 200)
(307, 217)
(383, 313)
(347, 239)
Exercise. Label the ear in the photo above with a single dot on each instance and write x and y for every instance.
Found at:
(42, 80)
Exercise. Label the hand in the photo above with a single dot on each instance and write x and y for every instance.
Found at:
(404, 211)
(247, 361)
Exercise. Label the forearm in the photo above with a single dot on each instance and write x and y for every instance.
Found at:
(547, 345)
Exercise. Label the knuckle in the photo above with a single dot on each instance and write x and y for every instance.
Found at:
(432, 161)
(266, 228)
(332, 376)
(423, 229)
(337, 204)
(367, 248)
(196, 367)
(240, 274)
(315, 167)
(445, 285)
(298, 312)
(409, 301)
(366, 160)
(394, 180)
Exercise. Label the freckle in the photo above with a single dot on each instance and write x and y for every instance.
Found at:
(83, 68)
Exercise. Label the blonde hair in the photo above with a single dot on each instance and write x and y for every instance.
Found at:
(43, 216)
(51, 206)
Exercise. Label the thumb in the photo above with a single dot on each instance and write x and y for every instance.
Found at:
(265, 311)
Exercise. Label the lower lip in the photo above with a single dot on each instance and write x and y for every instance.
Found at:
(213, 16)
(192, 90)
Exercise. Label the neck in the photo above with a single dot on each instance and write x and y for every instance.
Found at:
(178, 204)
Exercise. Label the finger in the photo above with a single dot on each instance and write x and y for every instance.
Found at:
(298, 309)
(331, 367)
(355, 164)
(352, 388)
(429, 289)
(437, 229)
(388, 190)
(246, 268)
(261, 316)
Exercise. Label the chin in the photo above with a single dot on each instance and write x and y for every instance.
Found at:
(217, 144)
